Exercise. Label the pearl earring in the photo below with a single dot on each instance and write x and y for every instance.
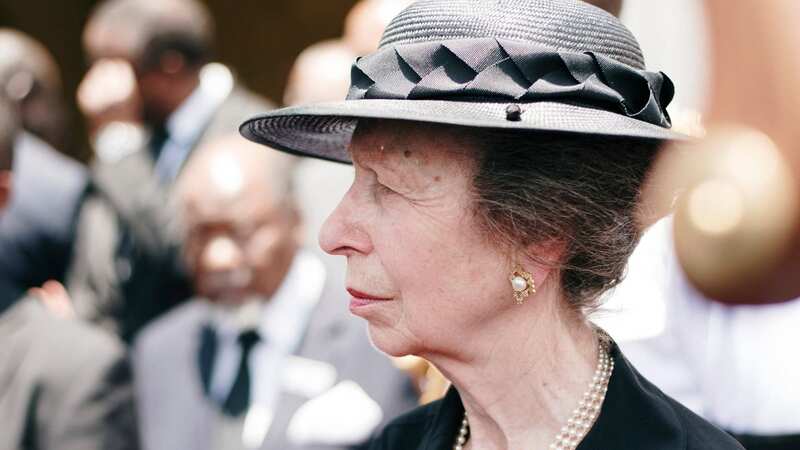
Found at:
(523, 285)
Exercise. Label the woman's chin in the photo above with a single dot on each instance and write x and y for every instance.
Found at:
(390, 341)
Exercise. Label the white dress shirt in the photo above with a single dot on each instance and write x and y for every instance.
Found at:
(281, 322)
(737, 366)
(187, 123)
(184, 126)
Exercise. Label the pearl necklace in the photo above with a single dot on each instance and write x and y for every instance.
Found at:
(582, 417)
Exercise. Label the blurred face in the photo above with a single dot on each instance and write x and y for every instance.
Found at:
(419, 268)
(154, 87)
(238, 247)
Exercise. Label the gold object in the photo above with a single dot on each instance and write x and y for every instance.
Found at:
(736, 210)
(430, 383)
(522, 284)
(434, 386)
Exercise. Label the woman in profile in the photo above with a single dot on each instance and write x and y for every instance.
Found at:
(499, 149)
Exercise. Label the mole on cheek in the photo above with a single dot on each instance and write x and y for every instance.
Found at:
(437, 178)
(407, 153)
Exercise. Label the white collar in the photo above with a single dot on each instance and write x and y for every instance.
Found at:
(281, 320)
(192, 116)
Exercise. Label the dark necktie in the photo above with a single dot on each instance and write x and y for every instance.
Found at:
(238, 399)
(158, 138)
(205, 357)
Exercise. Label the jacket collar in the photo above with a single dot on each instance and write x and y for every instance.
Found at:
(635, 414)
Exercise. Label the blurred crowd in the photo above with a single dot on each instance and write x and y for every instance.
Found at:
(171, 295)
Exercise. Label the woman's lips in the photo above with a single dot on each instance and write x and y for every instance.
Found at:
(360, 299)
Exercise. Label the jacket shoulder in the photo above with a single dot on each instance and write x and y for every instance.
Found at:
(700, 434)
(161, 335)
(407, 431)
(66, 358)
(41, 332)
(240, 105)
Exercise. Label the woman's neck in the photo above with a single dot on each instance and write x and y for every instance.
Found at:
(520, 384)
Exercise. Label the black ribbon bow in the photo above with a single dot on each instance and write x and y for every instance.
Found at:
(503, 70)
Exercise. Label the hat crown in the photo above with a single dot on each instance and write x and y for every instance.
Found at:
(563, 25)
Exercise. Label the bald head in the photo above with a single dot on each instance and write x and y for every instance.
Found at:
(231, 171)
(242, 229)
(365, 23)
(21, 54)
(139, 30)
(30, 77)
(321, 73)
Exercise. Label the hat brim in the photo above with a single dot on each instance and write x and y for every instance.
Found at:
(324, 130)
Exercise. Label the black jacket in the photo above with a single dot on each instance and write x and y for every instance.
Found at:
(635, 416)
(37, 228)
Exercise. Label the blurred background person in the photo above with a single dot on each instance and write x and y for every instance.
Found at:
(737, 227)
(31, 78)
(63, 384)
(37, 230)
(320, 73)
(365, 22)
(729, 364)
(150, 98)
(265, 356)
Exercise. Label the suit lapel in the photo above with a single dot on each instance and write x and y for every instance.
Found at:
(130, 186)
(236, 108)
(325, 339)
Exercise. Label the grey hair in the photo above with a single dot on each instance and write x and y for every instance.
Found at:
(578, 192)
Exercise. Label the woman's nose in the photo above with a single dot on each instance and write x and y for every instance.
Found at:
(343, 233)
(221, 254)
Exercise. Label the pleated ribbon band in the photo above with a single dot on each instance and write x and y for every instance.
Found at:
(500, 70)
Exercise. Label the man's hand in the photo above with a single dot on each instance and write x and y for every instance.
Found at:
(55, 298)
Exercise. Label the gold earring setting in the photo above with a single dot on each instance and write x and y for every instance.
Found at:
(523, 285)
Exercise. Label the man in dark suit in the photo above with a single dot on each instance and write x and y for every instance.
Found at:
(62, 384)
(36, 232)
(265, 357)
(150, 98)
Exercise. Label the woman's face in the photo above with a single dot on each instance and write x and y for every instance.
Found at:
(419, 268)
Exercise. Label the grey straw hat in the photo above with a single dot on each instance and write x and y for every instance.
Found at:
(549, 65)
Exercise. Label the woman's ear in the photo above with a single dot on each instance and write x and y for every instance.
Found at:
(543, 258)
(5, 188)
